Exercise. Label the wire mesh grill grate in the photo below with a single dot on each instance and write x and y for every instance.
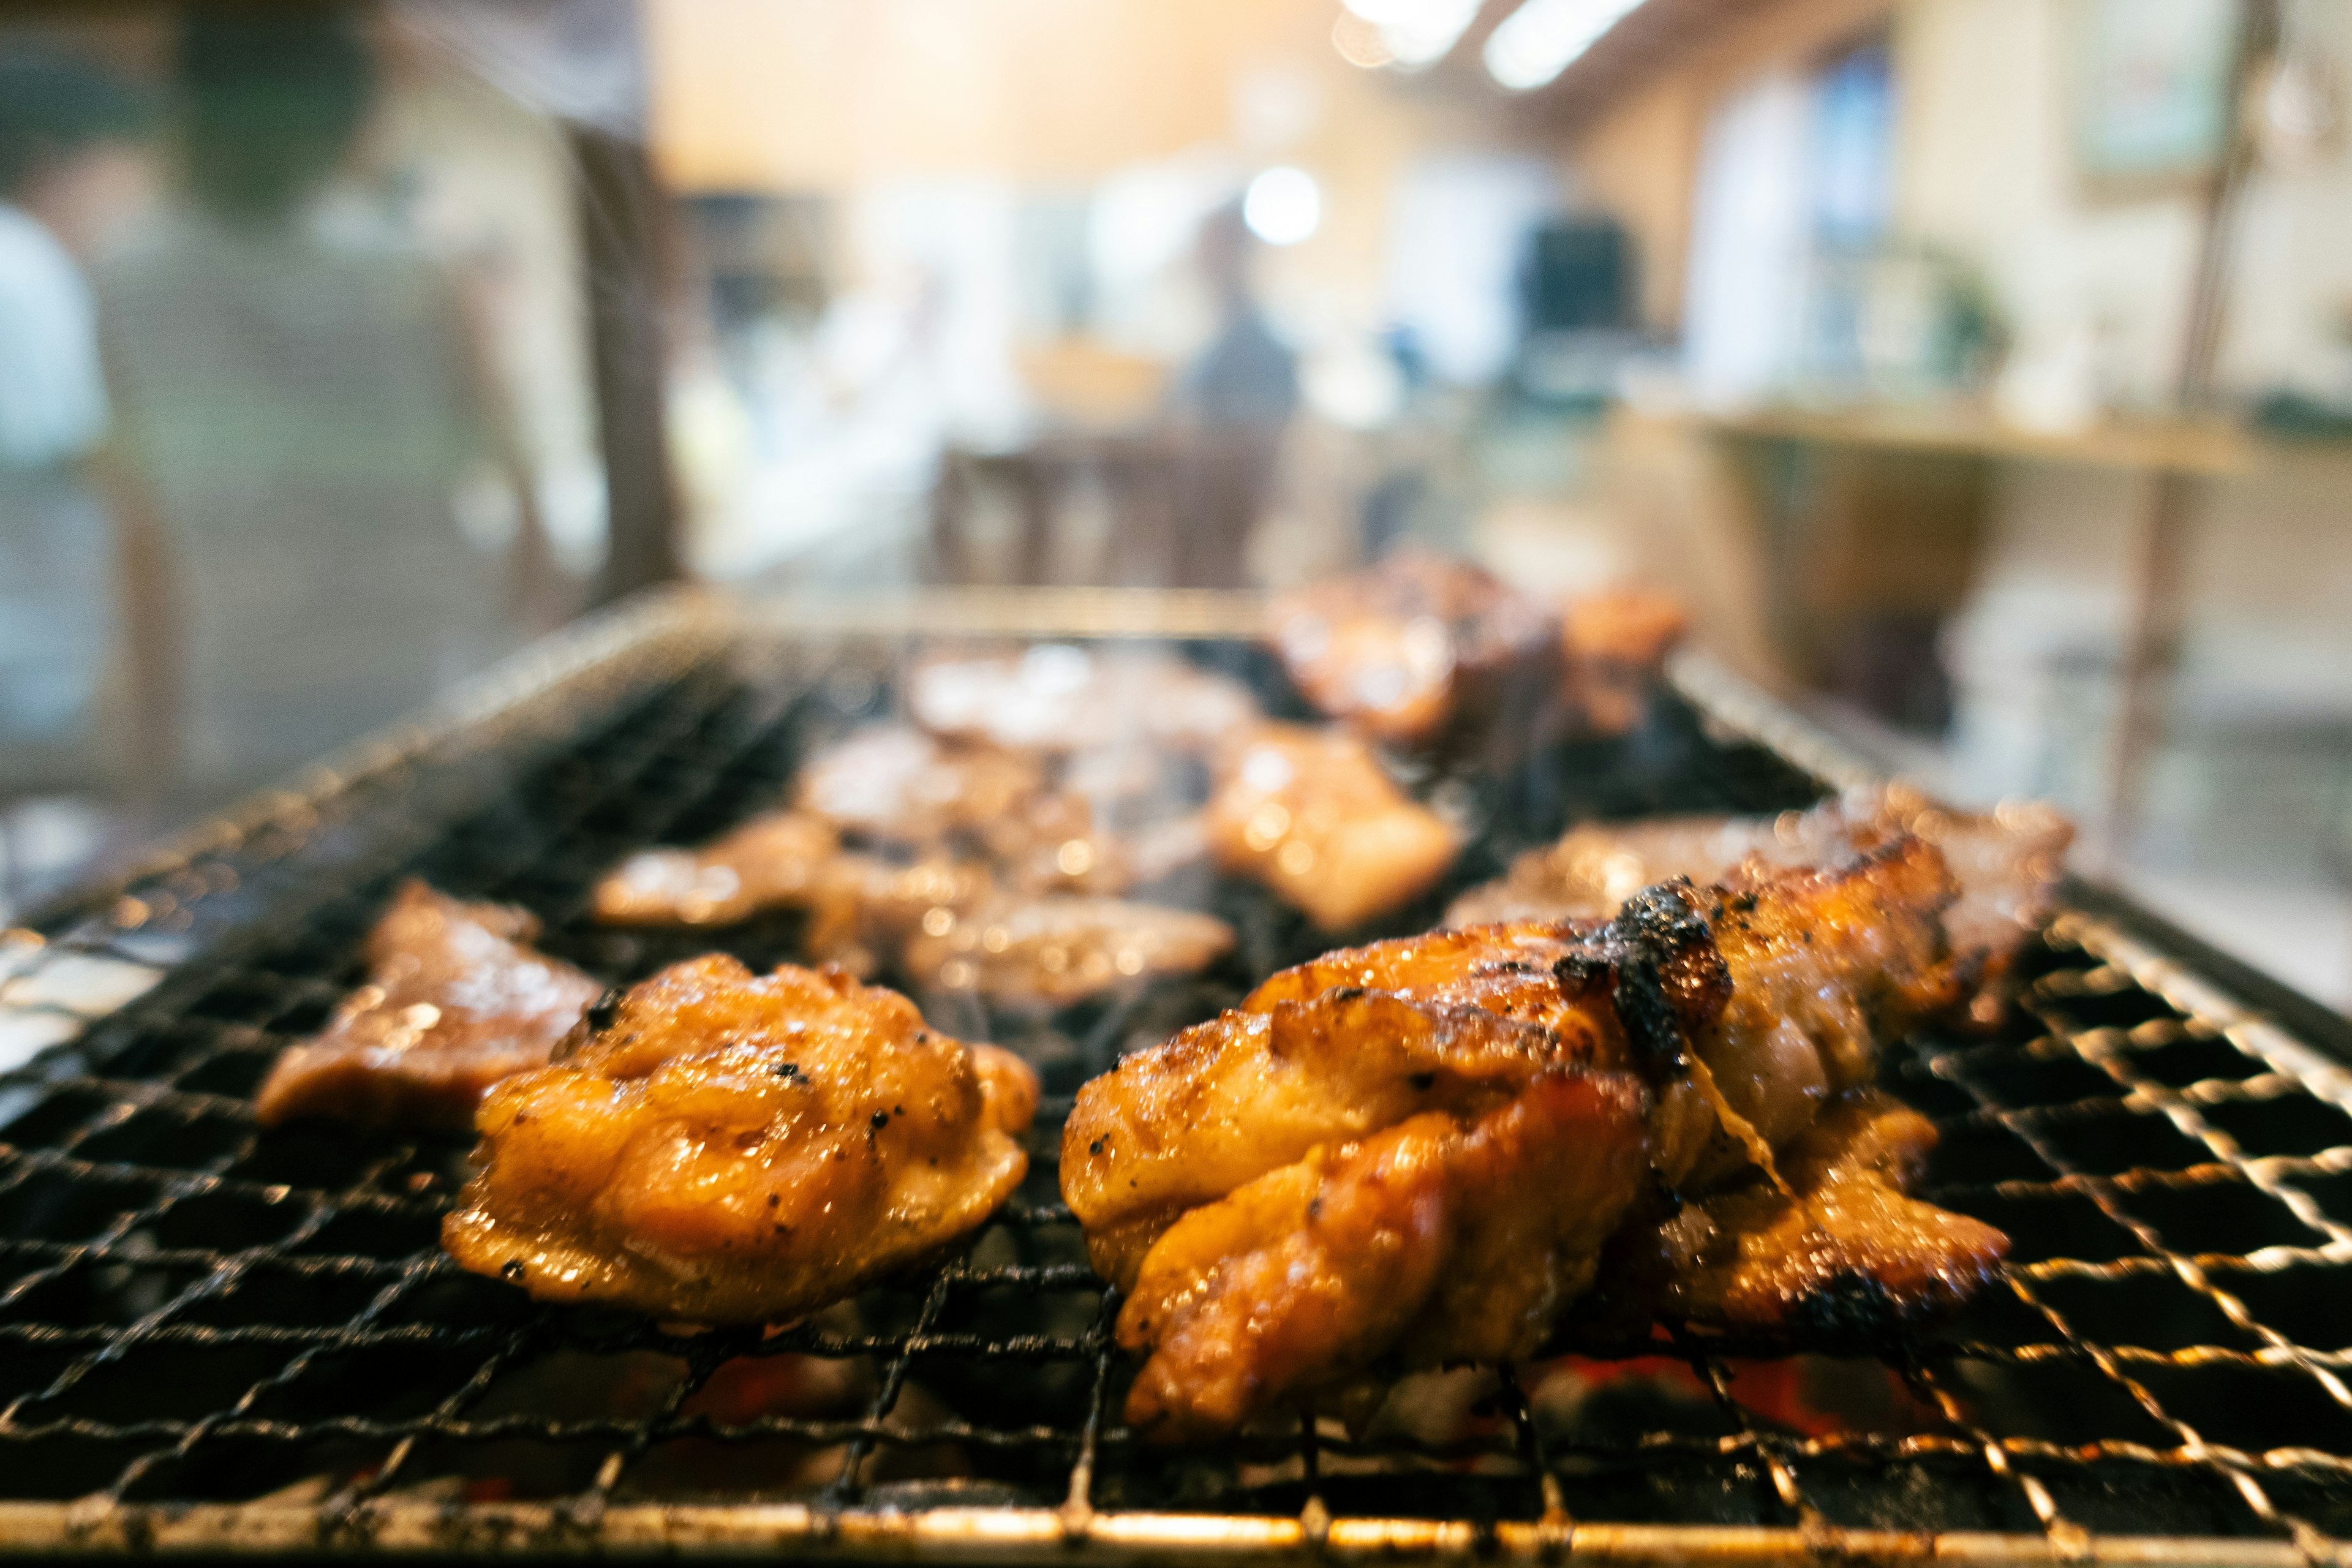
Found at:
(193, 1312)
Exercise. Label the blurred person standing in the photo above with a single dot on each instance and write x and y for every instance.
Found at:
(302, 407)
(71, 166)
(1233, 405)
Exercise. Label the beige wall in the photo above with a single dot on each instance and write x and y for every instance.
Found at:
(830, 96)
(1984, 171)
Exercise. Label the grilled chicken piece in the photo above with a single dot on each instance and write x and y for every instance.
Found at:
(893, 785)
(785, 859)
(1615, 643)
(455, 1000)
(2006, 862)
(1061, 948)
(1052, 843)
(1446, 1237)
(1395, 649)
(1703, 1030)
(1309, 814)
(732, 1148)
(1841, 1251)
(1060, 699)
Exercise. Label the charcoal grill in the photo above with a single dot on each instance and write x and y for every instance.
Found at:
(214, 1340)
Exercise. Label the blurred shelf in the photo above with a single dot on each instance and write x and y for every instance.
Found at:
(2205, 449)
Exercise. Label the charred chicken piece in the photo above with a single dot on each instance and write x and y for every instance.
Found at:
(892, 784)
(1615, 643)
(1051, 842)
(1401, 648)
(1055, 949)
(1841, 1250)
(2007, 863)
(897, 787)
(1534, 1075)
(785, 859)
(1064, 700)
(1309, 814)
(455, 1000)
(732, 1148)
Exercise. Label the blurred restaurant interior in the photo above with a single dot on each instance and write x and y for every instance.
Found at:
(1977, 373)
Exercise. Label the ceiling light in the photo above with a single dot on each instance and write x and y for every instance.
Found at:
(1544, 37)
(1283, 205)
(1407, 33)
(1380, 13)
(1426, 34)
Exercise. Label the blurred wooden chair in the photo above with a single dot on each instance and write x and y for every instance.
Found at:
(1032, 510)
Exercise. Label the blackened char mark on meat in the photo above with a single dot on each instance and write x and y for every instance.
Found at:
(1658, 964)
(1850, 1307)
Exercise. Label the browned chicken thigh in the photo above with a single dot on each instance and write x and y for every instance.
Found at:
(731, 1148)
(455, 1000)
(1533, 1081)
(1310, 813)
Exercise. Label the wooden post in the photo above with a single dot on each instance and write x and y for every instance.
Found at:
(2151, 649)
(620, 228)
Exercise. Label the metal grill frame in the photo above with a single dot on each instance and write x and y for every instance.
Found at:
(571, 680)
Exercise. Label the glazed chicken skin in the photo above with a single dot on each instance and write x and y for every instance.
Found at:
(2006, 863)
(1309, 814)
(1542, 1076)
(720, 1147)
(455, 1000)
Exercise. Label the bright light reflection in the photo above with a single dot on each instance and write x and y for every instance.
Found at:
(1410, 34)
(1283, 205)
(1543, 38)
(1426, 35)
(1380, 13)
(1359, 43)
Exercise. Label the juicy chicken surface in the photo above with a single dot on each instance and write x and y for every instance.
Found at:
(1061, 699)
(1059, 948)
(1310, 813)
(732, 1148)
(1403, 1097)
(2007, 864)
(1386, 649)
(455, 1000)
